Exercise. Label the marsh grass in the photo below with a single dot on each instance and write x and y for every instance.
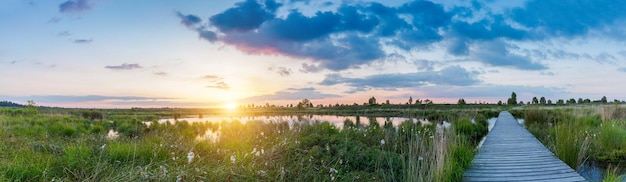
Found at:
(577, 135)
(74, 147)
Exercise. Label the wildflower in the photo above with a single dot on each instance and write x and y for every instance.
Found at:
(382, 142)
(102, 147)
(164, 170)
(262, 173)
(262, 151)
(333, 170)
(232, 159)
(190, 156)
(282, 170)
(340, 161)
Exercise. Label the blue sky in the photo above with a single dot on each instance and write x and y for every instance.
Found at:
(145, 53)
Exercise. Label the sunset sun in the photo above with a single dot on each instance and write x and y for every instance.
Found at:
(230, 105)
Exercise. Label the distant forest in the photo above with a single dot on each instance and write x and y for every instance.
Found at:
(10, 104)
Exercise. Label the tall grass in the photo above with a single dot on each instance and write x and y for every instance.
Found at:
(67, 147)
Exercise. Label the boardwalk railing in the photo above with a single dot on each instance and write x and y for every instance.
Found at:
(511, 153)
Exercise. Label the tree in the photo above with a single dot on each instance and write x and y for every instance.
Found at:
(387, 102)
(603, 100)
(31, 107)
(499, 102)
(512, 100)
(572, 101)
(461, 102)
(535, 101)
(372, 101)
(560, 102)
(542, 101)
(410, 100)
(549, 102)
(580, 100)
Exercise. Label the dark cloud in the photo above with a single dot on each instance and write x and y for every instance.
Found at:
(82, 41)
(243, 17)
(124, 66)
(188, 20)
(568, 18)
(291, 94)
(75, 6)
(453, 75)
(357, 34)
(496, 53)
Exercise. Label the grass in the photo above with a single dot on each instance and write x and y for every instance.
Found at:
(577, 135)
(73, 146)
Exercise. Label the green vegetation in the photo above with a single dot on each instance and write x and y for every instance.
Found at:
(75, 145)
(581, 134)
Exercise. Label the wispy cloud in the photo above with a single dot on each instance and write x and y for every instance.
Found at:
(216, 82)
(292, 94)
(64, 34)
(82, 41)
(81, 98)
(453, 75)
(160, 73)
(75, 6)
(124, 66)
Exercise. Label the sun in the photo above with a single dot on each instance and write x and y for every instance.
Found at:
(230, 105)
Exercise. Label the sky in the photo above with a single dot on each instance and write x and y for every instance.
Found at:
(212, 53)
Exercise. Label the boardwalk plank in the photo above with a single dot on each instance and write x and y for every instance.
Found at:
(511, 153)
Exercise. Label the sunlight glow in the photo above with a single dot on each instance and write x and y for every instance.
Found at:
(230, 105)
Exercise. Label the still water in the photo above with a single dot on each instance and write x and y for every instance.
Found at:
(333, 119)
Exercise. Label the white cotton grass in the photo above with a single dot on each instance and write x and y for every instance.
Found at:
(190, 156)
(233, 159)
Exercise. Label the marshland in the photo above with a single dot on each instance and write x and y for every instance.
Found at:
(60, 144)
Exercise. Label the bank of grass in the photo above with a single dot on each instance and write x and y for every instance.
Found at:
(76, 147)
(577, 135)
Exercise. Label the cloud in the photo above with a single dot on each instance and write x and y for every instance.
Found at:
(490, 92)
(160, 73)
(291, 94)
(245, 16)
(496, 53)
(216, 82)
(453, 75)
(219, 85)
(568, 18)
(82, 41)
(188, 20)
(360, 33)
(622, 69)
(284, 71)
(75, 6)
(124, 66)
(81, 98)
(309, 68)
(64, 34)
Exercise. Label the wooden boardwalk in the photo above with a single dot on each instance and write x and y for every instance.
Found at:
(511, 153)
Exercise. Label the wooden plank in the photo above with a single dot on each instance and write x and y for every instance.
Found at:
(511, 153)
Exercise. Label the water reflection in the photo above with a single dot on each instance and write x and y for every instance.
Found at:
(338, 121)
